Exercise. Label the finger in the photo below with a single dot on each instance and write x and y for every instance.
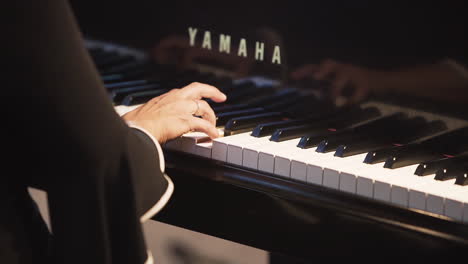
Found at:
(199, 90)
(202, 125)
(304, 71)
(206, 112)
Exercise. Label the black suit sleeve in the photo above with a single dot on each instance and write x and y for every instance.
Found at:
(100, 175)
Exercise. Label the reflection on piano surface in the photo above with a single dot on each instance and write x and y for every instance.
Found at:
(376, 152)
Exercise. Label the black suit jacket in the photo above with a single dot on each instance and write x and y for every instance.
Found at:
(61, 134)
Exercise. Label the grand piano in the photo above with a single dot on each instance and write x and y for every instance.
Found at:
(344, 132)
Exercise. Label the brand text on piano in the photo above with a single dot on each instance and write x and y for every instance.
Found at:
(225, 46)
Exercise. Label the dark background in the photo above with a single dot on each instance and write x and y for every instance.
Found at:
(373, 33)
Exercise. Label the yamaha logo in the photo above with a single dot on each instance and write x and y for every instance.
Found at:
(224, 46)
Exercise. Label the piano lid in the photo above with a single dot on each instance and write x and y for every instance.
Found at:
(357, 48)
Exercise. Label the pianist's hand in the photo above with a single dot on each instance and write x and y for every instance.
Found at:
(341, 76)
(174, 113)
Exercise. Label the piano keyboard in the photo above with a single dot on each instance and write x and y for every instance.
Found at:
(393, 154)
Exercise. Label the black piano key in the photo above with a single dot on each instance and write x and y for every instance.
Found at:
(111, 61)
(247, 123)
(371, 129)
(410, 157)
(117, 95)
(267, 129)
(455, 141)
(416, 128)
(287, 133)
(350, 149)
(312, 140)
(332, 121)
(447, 174)
(382, 154)
(112, 78)
(126, 84)
(450, 143)
(462, 178)
(223, 117)
(431, 167)
(332, 142)
(142, 97)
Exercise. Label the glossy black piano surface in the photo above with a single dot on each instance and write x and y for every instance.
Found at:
(317, 65)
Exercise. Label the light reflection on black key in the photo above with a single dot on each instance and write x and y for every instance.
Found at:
(451, 143)
(360, 132)
(267, 129)
(462, 178)
(381, 155)
(332, 142)
(312, 140)
(448, 173)
(354, 148)
(287, 133)
(335, 121)
(247, 123)
(406, 158)
(416, 128)
(431, 167)
(224, 117)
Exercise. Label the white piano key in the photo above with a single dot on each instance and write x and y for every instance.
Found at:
(219, 150)
(204, 149)
(444, 197)
(268, 156)
(235, 149)
(308, 157)
(348, 182)
(417, 200)
(365, 176)
(285, 157)
(314, 174)
(298, 170)
(261, 156)
(188, 141)
(220, 146)
(333, 166)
